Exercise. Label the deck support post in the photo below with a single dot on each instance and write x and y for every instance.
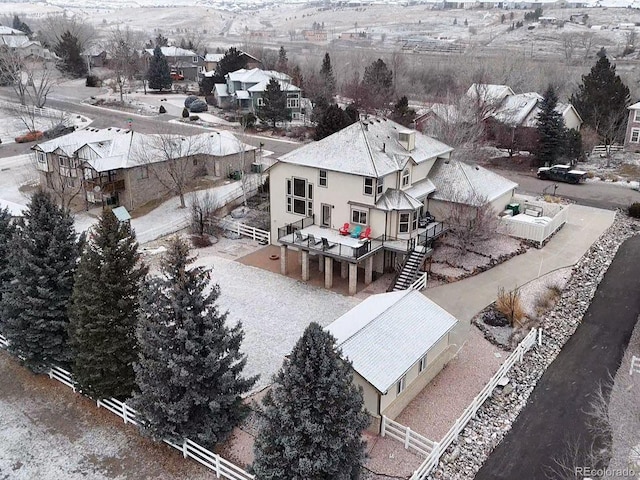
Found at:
(344, 269)
(305, 265)
(368, 270)
(284, 267)
(328, 272)
(353, 278)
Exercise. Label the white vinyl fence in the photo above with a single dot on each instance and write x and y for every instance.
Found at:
(420, 283)
(408, 437)
(32, 110)
(536, 232)
(439, 448)
(221, 467)
(245, 230)
(635, 365)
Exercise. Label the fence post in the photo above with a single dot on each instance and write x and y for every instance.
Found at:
(217, 466)
(539, 336)
(407, 438)
(124, 413)
(383, 423)
(185, 452)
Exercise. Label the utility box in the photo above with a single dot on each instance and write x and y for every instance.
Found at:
(514, 207)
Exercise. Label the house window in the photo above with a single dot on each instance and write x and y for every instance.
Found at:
(359, 216)
(70, 182)
(405, 177)
(635, 135)
(299, 196)
(144, 172)
(403, 227)
(195, 59)
(195, 162)
(423, 363)
(260, 102)
(41, 157)
(380, 186)
(414, 222)
(322, 182)
(636, 116)
(401, 385)
(368, 186)
(293, 102)
(64, 161)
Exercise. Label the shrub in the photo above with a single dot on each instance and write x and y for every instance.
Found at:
(201, 241)
(634, 210)
(194, 118)
(211, 100)
(510, 305)
(189, 100)
(92, 81)
(185, 113)
(198, 106)
(248, 120)
(162, 109)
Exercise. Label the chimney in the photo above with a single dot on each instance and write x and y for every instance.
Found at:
(384, 146)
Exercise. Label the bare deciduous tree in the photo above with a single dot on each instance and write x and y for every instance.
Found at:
(471, 219)
(124, 61)
(203, 207)
(51, 28)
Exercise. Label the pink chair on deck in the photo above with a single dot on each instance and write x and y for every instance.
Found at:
(366, 234)
(344, 230)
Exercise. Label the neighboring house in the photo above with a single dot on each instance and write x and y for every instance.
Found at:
(487, 95)
(115, 166)
(428, 119)
(632, 136)
(315, 35)
(374, 173)
(211, 61)
(244, 90)
(397, 343)
(18, 41)
(96, 57)
(182, 61)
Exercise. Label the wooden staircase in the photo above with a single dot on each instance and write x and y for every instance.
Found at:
(410, 268)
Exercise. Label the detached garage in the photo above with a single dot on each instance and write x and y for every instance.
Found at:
(397, 343)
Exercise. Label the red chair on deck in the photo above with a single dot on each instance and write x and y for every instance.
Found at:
(366, 234)
(344, 230)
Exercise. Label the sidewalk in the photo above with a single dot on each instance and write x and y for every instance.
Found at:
(584, 226)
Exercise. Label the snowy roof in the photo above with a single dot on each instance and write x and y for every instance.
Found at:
(635, 106)
(116, 148)
(446, 112)
(522, 109)
(13, 41)
(461, 182)
(285, 86)
(257, 75)
(421, 189)
(488, 93)
(10, 31)
(369, 148)
(242, 94)
(121, 214)
(221, 89)
(15, 209)
(388, 333)
(393, 199)
(213, 57)
(173, 52)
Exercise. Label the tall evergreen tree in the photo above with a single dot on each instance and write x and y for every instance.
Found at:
(69, 50)
(159, 73)
(7, 229)
(232, 60)
(283, 62)
(274, 107)
(313, 416)
(189, 371)
(333, 120)
(551, 130)
(377, 83)
(402, 113)
(42, 262)
(327, 78)
(602, 100)
(20, 25)
(296, 77)
(105, 308)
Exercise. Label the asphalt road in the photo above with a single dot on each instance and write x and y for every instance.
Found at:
(555, 412)
(601, 195)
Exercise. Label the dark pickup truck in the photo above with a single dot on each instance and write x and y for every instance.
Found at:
(562, 173)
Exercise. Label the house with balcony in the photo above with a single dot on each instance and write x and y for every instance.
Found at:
(113, 166)
(632, 135)
(181, 61)
(244, 90)
(360, 200)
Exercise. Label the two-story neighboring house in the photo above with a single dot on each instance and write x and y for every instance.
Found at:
(114, 166)
(182, 61)
(373, 176)
(211, 61)
(632, 136)
(244, 90)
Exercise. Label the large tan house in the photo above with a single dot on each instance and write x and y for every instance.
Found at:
(114, 166)
(397, 343)
(375, 177)
(632, 135)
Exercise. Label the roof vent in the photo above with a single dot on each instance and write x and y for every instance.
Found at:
(117, 129)
(365, 125)
(384, 146)
(109, 128)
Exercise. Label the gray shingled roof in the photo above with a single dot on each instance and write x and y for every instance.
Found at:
(388, 333)
(367, 148)
(461, 182)
(394, 199)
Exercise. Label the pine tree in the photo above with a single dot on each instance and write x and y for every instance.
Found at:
(20, 25)
(233, 60)
(402, 113)
(313, 416)
(602, 100)
(274, 106)
(159, 74)
(283, 61)
(333, 120)
(189, 371)
(296, 77)
(7, 229)
(327, 78)
(42, 261)
(70, 51)
(377, 83)
(551, 130)
(104, 310)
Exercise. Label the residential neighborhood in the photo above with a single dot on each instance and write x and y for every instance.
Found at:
(348, 240)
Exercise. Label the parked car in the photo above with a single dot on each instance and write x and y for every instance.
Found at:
(561, 173)
(30, 137)
(175, 76)
(198, 106)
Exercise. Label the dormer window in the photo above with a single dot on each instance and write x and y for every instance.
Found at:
(406, 177)
(380, 186)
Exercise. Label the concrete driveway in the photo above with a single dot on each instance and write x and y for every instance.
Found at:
(583, 228)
